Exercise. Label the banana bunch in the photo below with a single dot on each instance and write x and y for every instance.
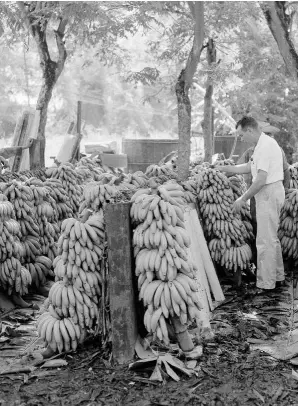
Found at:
(228, 234)
(238, 185)
(78, 288)
(13, 277)
(22, 199)
(138, 179)
(59, 201)
(36, 233)
(199, 168)
(71, 181)
(43, 212)
(96, 195)
(288, 227)
(157, 170)
(294, 176)
(89, 169)
(190, 190)
(166, 276)
(60, 334)
(68, 301)
(39, 270)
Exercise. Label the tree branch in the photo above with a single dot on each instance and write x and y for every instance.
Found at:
(62, 54)
(279, 24)
(195, 53)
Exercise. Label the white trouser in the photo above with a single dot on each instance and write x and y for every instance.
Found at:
(269, 202)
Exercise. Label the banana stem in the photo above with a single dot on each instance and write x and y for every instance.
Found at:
(183, 336)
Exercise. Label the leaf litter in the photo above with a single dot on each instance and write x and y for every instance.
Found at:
(234, 368)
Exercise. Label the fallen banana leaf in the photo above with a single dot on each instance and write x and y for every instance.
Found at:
(170, 371)
(156, 374)
(16, 370)
(55, 363)
(141, 352)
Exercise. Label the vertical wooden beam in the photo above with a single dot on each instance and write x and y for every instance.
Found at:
(79, 129)
(19, 138)
(79, 117)
(122, 299)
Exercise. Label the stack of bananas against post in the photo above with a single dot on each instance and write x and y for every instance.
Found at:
(288, 226)
(75, 296)
(161, 170)
(166, 276)
(71, 181)
(14, 278)
(229, 235)
(43, 212)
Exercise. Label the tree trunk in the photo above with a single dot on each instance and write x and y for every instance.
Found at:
(207, 124)
(279, 24)
(51, 70)
(183, 85)
(184, 127)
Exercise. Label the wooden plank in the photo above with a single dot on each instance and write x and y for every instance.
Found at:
(76, 155)
(19, 139)
(79, 117)
(122, 298)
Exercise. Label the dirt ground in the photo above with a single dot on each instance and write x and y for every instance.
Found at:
(232, 370)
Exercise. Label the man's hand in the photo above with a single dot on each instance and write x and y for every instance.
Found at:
(238, 205)
(4, 162)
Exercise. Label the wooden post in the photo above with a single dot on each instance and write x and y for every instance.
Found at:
(19, 139)
(79, 129)
(79, 117)
(122, 301)
(71, 127)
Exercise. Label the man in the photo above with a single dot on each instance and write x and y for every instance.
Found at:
(266, 167)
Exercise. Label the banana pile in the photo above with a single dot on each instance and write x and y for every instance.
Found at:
(71, 181)
(288, 228)
(166, 276)
(74, 298)
(160, 170)
(229, 235)
(14, 278)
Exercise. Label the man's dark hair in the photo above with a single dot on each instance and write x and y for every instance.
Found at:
(246, 122)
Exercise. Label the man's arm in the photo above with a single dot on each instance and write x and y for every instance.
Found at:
(256, 186)
(238, 169)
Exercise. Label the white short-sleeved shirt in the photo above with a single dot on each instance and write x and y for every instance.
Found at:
(267, 156)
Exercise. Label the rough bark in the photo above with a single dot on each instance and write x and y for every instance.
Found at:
(51, 70)
(279, 24)
(207, 123)
(183, 85)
